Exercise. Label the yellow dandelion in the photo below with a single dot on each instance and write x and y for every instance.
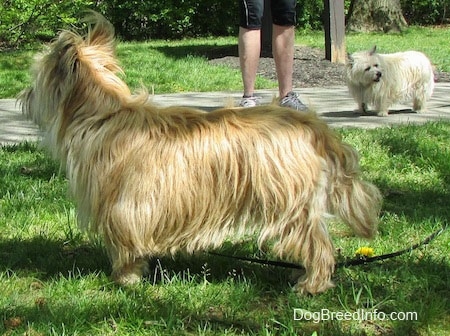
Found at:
(364, 252)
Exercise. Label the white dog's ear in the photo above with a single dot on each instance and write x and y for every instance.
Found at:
(350, 59)
(373, 50)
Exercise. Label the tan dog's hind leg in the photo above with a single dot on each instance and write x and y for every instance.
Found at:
(318, 259)
(130, 273)
(127, 269)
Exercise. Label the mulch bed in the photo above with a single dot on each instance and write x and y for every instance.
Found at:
(311, 69)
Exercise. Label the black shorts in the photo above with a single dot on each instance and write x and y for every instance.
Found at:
(251, 13)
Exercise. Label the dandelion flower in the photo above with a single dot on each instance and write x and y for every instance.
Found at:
(364, 252)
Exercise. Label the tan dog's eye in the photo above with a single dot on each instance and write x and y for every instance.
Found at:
(367, 69)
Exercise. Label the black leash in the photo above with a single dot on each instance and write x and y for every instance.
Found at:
(351, 262)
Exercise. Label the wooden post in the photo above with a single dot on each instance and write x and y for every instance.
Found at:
(266, 30)
(334, 31)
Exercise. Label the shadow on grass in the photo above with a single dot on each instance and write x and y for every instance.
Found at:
(426, 147)
(50, 261)
(427, 295)
(423, 149)
(207, 51)
(46, 259)
(424, 291)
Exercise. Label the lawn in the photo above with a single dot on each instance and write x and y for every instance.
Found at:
(182, 66)
(55, 280)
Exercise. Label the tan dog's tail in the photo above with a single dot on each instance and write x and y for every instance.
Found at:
(355, 201)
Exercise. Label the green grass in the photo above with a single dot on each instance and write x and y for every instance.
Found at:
(182, 66)
(162, 66)
(14, 71)
(55, 280)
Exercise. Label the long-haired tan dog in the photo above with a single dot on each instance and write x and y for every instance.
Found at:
(385, 79)
(154, 181)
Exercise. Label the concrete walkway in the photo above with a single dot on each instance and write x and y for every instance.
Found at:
(333, 104)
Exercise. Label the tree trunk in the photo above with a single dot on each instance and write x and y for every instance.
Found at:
(376, 15)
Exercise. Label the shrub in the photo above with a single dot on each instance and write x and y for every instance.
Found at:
(137, 20)
(425, 12)
(24, 21)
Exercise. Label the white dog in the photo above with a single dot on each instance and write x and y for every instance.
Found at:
(385, 79)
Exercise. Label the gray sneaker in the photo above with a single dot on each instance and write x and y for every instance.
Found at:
(293, 101)
(249, 101)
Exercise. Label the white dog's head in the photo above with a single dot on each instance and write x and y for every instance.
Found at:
(364, 67)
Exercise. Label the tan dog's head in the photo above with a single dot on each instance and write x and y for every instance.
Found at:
(364, 68)
(71, 70)
(75, 78)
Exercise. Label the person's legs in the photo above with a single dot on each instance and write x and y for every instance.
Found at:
(283, 39)
(249, 51)
(251, 12)
(284, 18)
(283, 54)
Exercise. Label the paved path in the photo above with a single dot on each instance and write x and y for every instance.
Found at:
(333, 104)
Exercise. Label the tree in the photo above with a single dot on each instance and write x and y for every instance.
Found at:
(375, 15)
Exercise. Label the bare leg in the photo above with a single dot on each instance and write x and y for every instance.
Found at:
(283, 53)
(249, 52)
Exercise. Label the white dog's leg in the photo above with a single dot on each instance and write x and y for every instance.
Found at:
(358, 95)
(419, 105)
(362, 107)
(382, 109)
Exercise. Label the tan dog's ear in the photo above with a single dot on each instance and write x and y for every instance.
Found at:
(373, 50)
